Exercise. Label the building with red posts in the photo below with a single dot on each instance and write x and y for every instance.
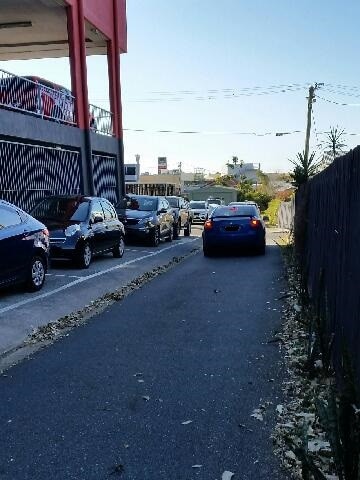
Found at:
(52, 140)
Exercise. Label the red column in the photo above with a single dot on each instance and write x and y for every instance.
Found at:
(77, 54)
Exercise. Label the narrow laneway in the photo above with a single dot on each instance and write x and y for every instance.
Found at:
(158, 387)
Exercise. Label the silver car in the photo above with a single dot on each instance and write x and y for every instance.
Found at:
(199, 210)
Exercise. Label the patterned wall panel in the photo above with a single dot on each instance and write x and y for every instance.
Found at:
(28, 173)
(104, 172)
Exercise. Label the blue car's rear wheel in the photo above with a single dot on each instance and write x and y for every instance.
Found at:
(208, 251)
(261, 249)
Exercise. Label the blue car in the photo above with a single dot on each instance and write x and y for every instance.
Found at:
(24, 248)
(237, 226)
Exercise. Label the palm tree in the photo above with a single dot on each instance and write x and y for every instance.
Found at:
(303, 169)
(333, 141)
(235, 161)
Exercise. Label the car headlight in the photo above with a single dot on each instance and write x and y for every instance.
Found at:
(148, 221)
(71, 230)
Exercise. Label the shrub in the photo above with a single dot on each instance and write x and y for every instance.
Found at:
(272, 211)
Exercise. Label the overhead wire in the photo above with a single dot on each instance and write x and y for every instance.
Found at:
(215, 94)
(338, 103)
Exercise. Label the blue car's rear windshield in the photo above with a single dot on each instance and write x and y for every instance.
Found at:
(235, 211)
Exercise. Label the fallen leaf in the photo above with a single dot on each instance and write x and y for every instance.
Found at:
(279, 409)
(227, 475)
(257, 414)
(196, 466)
(146, 398)
(186, 422)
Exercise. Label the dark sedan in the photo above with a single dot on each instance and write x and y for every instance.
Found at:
(81, 227)
(24, 248)
(238, 226)
(147, 218)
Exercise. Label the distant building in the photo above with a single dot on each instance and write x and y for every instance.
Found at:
(248, 170)
(132, 171)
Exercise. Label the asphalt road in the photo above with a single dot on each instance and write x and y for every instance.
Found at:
(68, 289)
(159, 386)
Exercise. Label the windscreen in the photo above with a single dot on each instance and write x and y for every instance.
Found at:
(235, 211)
(145, 204)
(199, 205)
(174, 202)
(62, 210)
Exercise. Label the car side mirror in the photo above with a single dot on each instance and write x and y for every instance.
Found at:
(162, 210)
(265, 218)
(98, 219)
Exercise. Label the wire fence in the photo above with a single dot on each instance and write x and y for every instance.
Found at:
(329, 208)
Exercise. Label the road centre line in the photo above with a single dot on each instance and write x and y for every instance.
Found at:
(89, 277)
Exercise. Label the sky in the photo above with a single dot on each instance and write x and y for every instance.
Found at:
(229, 71)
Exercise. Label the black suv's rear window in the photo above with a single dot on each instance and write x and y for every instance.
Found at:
(62, 209)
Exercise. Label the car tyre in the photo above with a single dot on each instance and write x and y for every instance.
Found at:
(155, 237)
(176, 230)
(262, 248)
(36, 274)
(170, 236)
(208, 252)
(187, 229)
(118, 250)
(84, 256)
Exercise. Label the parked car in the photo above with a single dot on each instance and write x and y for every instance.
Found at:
(182, 215)
(237, 226)
(146, 217)
(211, 207)
(199, 210)
(24, 248)
(215, 200)
(81, 227)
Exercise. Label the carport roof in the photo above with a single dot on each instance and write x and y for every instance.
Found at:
(38, 29)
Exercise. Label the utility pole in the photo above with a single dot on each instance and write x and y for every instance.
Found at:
(311, 99)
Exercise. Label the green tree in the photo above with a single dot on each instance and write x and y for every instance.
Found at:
(303, 169)
(244, 188)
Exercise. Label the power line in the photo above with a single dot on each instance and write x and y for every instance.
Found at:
(338, 103)
(215, 94)
(198, 132)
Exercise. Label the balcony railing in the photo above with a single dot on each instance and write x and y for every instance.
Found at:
(45, 99)
(37, 97)
(100, 120)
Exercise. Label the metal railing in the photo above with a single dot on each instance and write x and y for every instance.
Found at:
(47, 100)
(37, 97)
(100, 120)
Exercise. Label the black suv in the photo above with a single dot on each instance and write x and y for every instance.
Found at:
(182, 215)
(146, 217)
(81, 227)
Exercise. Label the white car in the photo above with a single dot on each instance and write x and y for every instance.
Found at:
(199, 210)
